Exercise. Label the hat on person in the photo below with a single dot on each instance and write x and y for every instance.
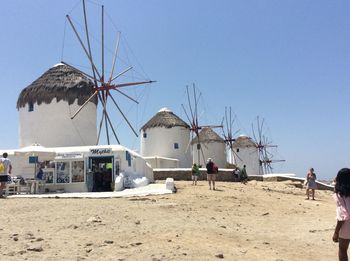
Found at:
(209, 159)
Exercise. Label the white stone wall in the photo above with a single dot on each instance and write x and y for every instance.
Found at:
(248, 156)
(214, 150)
(162, 163)
(50, 125)
(138, 165)
(160, 142)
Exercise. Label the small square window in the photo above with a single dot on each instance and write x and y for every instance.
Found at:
(30, 106)
(176, 145)
(145, 135)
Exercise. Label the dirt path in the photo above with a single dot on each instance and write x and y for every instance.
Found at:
(257, 221)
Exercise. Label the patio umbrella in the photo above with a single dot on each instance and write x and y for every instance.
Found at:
(35, 150)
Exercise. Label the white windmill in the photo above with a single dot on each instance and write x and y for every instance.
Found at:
(105, 85)
(202, 135)
(263, 145)
(230, 135)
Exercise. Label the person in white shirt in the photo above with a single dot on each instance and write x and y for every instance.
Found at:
(5, 170)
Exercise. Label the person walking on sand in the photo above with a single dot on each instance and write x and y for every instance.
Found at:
(211, 175)
(342, 199)
(195, 174)
(5, 170)
(244, 175)
(311, 184)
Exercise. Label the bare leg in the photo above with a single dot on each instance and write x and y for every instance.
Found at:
(307, 193)
(343, 249)
(195, 180)
(313, 194)
(2, 188)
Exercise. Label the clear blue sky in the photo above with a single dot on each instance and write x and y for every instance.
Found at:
(287, 61)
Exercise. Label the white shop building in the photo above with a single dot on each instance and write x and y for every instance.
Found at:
(81, 168)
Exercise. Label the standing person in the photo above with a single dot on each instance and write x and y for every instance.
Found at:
(342, 199)
(211, 175)
(195, 174)
(5, 170)
(236, 174)
(40, 174)
(244, 175)
(311, 184)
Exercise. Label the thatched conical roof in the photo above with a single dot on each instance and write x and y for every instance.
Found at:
(61, 82)
(207, 135)
(165, 118)
(244, 141)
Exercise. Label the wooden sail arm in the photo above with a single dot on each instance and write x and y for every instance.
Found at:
(116, 86)
(274, 161)
(270, 146)
(260, 146)
(270, 161)
(127, 96)
(85, 103)
(94, 69)
(195, 127)
(211, 126)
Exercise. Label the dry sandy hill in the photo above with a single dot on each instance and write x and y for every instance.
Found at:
(257, 221)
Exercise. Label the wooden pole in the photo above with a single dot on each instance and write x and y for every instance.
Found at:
(102, 35)
(114, 58)
(88, 42)
(121, 112)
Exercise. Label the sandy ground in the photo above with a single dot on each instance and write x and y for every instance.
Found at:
(257, 221)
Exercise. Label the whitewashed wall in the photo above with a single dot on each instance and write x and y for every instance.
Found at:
(160, 142)
(139, 167)
(50, 125)
(248, 156)
(162, 163)
(214, 150)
